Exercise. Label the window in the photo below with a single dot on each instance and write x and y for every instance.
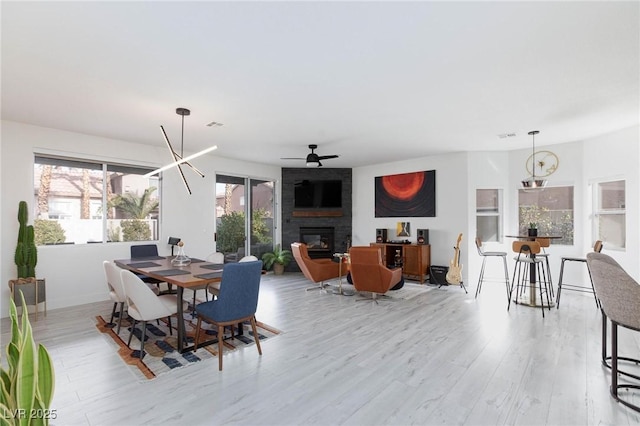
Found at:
(550, 209)
(610, 213)
(245, 213)
(489, 214)
(72, 196)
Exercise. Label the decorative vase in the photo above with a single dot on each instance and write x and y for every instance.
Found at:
(181, 259)
(533, 232)
(278, 269)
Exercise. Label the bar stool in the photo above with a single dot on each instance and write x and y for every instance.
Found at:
(545, 243)
(597, 248)
(525, 260)
(485, 254)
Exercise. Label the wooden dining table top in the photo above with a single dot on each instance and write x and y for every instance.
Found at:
(195, 274)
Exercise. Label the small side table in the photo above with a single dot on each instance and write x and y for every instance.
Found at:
(34, 291)
(343, 258)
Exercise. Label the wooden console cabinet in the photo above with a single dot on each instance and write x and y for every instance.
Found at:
(416, 258)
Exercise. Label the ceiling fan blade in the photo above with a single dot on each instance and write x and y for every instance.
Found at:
(292, 158)
(327, 157)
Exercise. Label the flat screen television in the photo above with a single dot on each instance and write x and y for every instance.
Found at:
(314, 194)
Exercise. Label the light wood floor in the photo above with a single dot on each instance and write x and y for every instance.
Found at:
(440, 358)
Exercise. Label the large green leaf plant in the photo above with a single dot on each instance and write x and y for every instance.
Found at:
(27, 385)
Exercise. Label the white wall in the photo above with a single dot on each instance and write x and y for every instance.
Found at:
(74, 273)
(459, 175)
(451, 204)
(612, 157)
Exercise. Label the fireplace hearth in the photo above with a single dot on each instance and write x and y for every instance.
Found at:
(319, 241)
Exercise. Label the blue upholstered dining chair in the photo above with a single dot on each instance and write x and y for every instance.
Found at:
(236, 302)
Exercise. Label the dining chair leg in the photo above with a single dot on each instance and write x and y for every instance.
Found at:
(546, 258)
(133, 326)
(513, 281)
(255, 334)
(593, 288)
(113, 312)
(540, 278)
(506, 276)
(481, 277)
(170, 329)
(120, 317)
(560, 284)
(142, 336)
(197, 338)
(220, 345)
(193, 307)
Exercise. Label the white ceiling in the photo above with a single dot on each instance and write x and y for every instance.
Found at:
(371, 81)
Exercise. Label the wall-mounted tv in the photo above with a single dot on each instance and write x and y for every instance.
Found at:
(317, 194)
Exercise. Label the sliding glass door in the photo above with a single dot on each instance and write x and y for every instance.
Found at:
(244, 216)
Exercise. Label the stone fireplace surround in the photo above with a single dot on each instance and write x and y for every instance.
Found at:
(294, 219)
(319, 241)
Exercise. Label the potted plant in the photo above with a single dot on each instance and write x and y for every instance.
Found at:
(26, 259)
(533, 229)
(27, 385)
(277, 258)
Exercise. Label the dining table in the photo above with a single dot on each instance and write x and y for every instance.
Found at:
(196, 274)
(533, 300)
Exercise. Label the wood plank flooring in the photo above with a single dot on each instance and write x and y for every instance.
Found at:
(440, 358)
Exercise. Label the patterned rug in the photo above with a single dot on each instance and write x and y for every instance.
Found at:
(161, 355)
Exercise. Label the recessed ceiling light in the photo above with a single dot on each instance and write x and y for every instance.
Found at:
(215, 123)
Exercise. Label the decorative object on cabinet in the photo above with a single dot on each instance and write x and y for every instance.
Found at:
(381, 236)
(423, 236)
(403, 229)
(406, 195)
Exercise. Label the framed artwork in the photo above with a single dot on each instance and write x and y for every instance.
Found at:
(406, 195)
(403, 229)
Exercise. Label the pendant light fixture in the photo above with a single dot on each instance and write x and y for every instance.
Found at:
(531, 183)
(180, 159)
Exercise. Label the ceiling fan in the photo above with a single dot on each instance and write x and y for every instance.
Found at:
(313, 159)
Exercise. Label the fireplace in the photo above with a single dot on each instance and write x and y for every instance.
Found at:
(319, 241)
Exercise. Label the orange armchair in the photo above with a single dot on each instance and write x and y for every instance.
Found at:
(316, 270)
(368, 273)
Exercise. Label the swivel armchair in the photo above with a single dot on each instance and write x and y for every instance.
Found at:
(316, 270)
(369, 274)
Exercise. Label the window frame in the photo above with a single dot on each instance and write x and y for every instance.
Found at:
(499, 214)
(105, 166)
(559, 242)
(597, 211)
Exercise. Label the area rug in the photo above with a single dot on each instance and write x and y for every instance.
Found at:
(161, 355)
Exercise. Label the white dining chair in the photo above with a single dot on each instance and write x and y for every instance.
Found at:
(144, 305)
(116, 290)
